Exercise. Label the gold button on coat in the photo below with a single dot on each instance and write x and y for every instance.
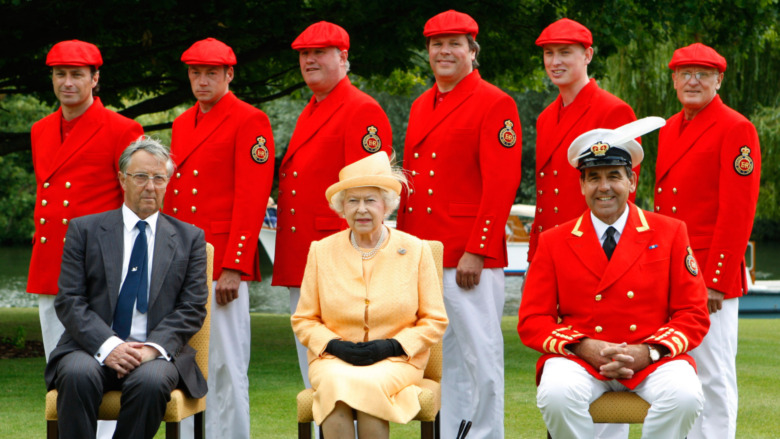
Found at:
(45, 185)
(632, 328)
(630, 294)
(482, 246)
(431, 173)
(429, 210)
(43, 240)
(65, 221)
(194, 192)
(237, 261)
(599, 329)
(65, 203)
(598, 297)
(43, 221)
(44, 202)
(195, 173)
(67, 185)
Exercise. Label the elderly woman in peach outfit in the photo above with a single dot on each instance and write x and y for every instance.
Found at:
(370, 309)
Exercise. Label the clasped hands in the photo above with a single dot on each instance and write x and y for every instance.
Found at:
(613, 360)
(364, 353)
(129, 355)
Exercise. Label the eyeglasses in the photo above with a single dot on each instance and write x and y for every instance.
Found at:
(700, 76)
(141, 179)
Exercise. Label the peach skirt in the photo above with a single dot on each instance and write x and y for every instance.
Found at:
(386, 390)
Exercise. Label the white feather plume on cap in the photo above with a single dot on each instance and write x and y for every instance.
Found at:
(620, 138)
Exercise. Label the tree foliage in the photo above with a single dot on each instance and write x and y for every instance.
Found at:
(142, 41)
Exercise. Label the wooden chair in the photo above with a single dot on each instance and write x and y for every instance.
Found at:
(430, 397)
(180, 406)
(618, 408)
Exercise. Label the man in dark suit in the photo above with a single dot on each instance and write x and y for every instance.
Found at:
(130, 297)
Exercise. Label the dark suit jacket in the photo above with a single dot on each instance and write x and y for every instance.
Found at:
(89, 287)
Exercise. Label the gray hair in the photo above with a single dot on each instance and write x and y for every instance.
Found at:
(151, 146)
(473, 45)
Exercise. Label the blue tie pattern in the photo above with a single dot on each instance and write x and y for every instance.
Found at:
(134, 289)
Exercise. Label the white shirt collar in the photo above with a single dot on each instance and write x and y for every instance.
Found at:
(601, 227)
(130, 219)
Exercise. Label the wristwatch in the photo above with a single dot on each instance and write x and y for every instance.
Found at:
(655, 354)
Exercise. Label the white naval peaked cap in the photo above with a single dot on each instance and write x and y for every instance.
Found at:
(605, 147)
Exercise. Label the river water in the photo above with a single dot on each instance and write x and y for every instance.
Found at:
(275, 300)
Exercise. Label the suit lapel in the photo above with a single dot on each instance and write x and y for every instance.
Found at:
(585, 245)
(633, 243)
(685, 141)
(571, 117)
(211, 122)
(430, 118)
(310, 122)
(90, 123)
(111, 233)
(164, 249)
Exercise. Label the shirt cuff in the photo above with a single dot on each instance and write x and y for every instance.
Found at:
(106, 348)
(163, 353)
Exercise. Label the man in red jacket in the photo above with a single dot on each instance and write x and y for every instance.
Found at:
(707, 175)
(340, 125)
(581, 106)
(225, 154)
(463, 151)
(614, 300)
(75, 152)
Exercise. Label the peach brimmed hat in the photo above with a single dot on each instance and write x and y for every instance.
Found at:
(374, 170)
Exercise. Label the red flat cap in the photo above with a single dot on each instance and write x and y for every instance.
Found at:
(209, 52)
(697, 54)
(451, 22)
(322, 34)
(565, 31)
(74, 53)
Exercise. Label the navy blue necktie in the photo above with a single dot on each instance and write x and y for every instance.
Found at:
(135, 285)
(609, 242)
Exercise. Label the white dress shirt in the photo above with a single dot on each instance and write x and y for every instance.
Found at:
(139, 322)
(601, 227)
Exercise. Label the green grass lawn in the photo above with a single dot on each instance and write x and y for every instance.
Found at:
(275, 380)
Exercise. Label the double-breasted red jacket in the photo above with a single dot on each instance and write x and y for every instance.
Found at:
(708, 175)
(74, 178)
(651, 291)
(225, 168)
(464, 160)
(558, 195)
(345, 127)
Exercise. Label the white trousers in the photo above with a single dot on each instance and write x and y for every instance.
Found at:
(473, 368)
(51, 327)
(567, 389)
(716, 363)
(227, 402)
(303, 359)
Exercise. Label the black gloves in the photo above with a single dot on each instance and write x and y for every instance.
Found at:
(364, 353)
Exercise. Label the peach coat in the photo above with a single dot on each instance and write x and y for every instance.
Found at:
(403, 301)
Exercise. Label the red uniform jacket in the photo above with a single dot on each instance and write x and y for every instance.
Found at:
(74, 178)
(224, 176)
(558, 195)
(464, 160)
(345, 127)
(708, 176)
(649, 292)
